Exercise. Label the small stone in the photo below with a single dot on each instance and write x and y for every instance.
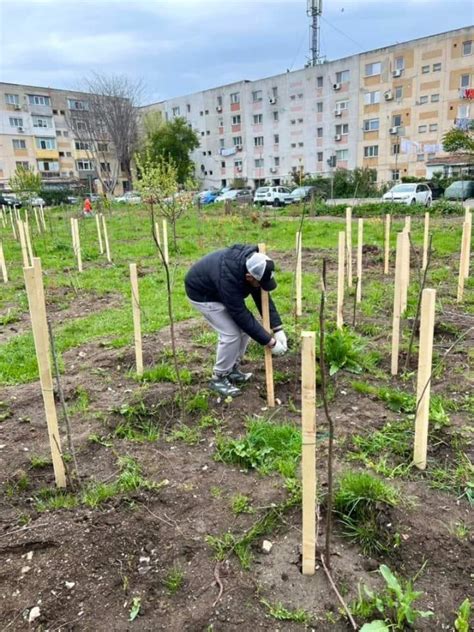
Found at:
(29, 556)
(204, 468)
(143, 559)
(81, 354)
(284, 577)
(25, 569)
(3, 445)
(277, 401)
(34, 614)
(267, 546)
(70, 585)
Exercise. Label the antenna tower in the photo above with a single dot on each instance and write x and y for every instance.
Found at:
(314, 11)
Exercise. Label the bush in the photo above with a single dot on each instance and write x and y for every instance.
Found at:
(379, 209)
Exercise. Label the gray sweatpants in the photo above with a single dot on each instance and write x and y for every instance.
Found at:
(232, 340)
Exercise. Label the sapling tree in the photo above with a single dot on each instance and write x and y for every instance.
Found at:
(25, 183)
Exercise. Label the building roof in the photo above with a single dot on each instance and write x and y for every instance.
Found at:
(453, 159)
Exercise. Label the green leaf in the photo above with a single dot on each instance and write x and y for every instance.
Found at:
(390, 579)
(135, 608)
(375, 626)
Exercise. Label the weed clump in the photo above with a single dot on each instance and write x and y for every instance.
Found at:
(343, 349)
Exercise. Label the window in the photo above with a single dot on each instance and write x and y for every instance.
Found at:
(433, 127)
(208, 133)
(55, 111)
(372, 97)
(293, 121)
(84, 165)
(68, 154)
(65, 133)
(258, 163)
(257, 95)
(319, 106)
(81, 146)
(201, 113)
(342, 154)
(342, 76)
(395, 175)
(276, 161)
(222, 164)
(38, 99)
(422, 129)
(342, 105)
(371, 151)
(102, 147)
(77, 104)
(188, 107)
(396, 120)
(39, 121)
(257, 119)
(319, 82)
(274, 92)
(300, 144)
(209, 153)
(59, 132)
(423, 100)
(396, 149)
(319, 132)
(105, 167)
(320, 156)
(237, 140)
(46, 143)
(238, 164)
(293, 97)
(371, 125)
(276, 116)
(15, 121)
(436, 67)
(425, 70)
(18, 143)
(300, 120)
(236, 119)
(276, 138)
(61, 154)
(373, 69)
(221, 143)
(300, 95)
(399, 63)
(206, 112)
(463, 111)
(467, 48)
(465, 81)
(434, 98)
(22, 164)
(48, 165)
(12, 99)
(342, 129)
(399, 93)
(420, 157)
(220, 122)
(258, 141)
(175, 111)
(293, 145)
(235, 97)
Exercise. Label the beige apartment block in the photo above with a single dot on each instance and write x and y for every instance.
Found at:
(34, 133)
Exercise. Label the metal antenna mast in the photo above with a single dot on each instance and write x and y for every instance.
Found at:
(314, 11)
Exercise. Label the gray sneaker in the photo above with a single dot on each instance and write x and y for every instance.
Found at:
(236, 376)
(223, 386)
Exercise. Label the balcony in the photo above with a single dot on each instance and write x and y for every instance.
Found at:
(40, 110)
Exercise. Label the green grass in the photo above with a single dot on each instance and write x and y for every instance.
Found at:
(279, 612)
(174, 580)
(165, 372)
(188, 434)
(38, 462)
(240, 503)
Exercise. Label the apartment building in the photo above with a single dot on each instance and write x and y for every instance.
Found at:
(386, 109)
(36, 132)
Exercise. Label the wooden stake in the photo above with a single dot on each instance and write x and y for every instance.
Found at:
(106, 239)
(408, 223)
(467, 254)
(397, 302)
(405, 270)
(78, 244)
(425, 241)
(13, 225)
(308, 450)
(425, 355)
(24, 251)
(387, 244)
(3, 266)
(340, 280)
(268, 352)
(299, 306)
(349, 245)
(41, 339)
(43, 221)
(26, 228)
(73, 235)
(99, 235)
(157, 233)
(165, 242)
(37, 219)
(466, 229)
(360, 239)
(136, 318)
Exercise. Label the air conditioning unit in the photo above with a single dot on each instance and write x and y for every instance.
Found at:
(397, 73)
(337, 112)
(273, 169)
(238, 147)
(336, 86)
(337, 137)
(393, 130)
(272, 100)
(219, 108)
(21, 130)
(17, 107)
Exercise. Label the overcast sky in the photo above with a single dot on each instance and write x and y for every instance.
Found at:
(181, 46)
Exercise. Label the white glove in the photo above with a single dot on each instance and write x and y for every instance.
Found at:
(279, 348)
(281, 337)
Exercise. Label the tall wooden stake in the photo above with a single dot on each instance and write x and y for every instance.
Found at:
(106, 239)
(43, 222)
(26, 228)
(405, 272)
(349, 245)
(466, 229)
(12, 220)
(425, 356)
(360, 239)
(35, 210)
(99, 235)
(308, 451)
(41, 340)
(397, 303)
(78, 245)
(386, 263)
(408, 223)
(340, 280)
(165, 242)
(467, 254)
(24, 252)
(3, 266)
(426, 235)
(268, 352)
(136, 318)
(299, 306)
(157, 233)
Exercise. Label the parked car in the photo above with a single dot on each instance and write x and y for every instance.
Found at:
(460, 190)
(410, 193)
(72, 199)
(277, 196)
(9, 200)
(130, 197)
(306, 193)
(235, 195)
(208, 197)
(37, 201)
(436, 190)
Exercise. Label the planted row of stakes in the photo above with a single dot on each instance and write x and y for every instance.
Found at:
(37, 306)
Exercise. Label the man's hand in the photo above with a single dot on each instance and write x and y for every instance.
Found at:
(280, 337)
(279, 348)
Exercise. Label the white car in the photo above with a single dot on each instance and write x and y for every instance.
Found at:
(130, 197)
(37, 201)
(410, 193)
(239, 195)
(277, 196)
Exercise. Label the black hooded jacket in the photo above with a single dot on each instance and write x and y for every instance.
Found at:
(220, 277)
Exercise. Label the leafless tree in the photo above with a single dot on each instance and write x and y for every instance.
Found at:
(104, 121)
